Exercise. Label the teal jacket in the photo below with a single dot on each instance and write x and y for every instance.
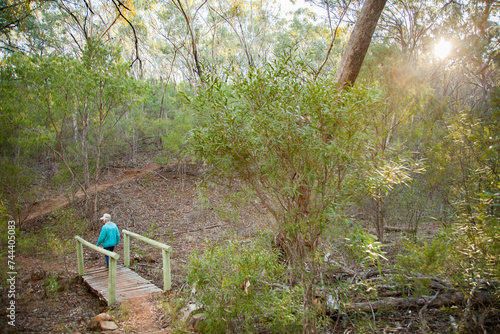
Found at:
(110, 235)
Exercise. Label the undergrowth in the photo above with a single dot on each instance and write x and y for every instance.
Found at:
(55, 237)
(242, 286)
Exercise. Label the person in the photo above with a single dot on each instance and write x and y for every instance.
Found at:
(110, 235)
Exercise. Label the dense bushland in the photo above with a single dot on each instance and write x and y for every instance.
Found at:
(412, 147)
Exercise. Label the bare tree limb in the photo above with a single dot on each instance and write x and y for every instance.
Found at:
(119, 4)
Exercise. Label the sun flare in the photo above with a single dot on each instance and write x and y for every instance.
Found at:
(442, 49)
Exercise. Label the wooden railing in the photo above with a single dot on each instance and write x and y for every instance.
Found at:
(112, 265)
(165, 250)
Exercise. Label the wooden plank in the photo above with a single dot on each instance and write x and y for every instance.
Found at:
(137, 288)
(132, 293)
(128, 283)
(128, 293)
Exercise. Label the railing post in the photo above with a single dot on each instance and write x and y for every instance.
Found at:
(126, 250)
(112, 281)
(113, 257)
(167, 283)
(79, 255)
(166, 250)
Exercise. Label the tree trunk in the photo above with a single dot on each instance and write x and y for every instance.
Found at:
(192, 35)
(380, 217)
(163, 89)
(358, 44)
(310, 312)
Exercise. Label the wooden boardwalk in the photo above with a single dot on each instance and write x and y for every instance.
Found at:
(128, 283)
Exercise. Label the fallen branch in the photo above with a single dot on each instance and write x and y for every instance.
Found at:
(469, 304)
(163, 177)
(400, 229)
(423, 309)
(454, 298)
(375, 272)
(344, 268)
(196, 230)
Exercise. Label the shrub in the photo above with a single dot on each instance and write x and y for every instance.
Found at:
(241, 285)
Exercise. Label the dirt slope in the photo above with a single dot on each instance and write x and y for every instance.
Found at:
(62, 200)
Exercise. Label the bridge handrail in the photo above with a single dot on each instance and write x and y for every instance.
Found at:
(114, 255)
(165, 251)
(112, 265)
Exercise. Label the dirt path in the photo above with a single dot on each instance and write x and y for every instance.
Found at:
(142, 316)
(63, 200)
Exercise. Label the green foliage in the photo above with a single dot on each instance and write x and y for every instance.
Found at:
(15, 185)
(175, 136)
(365, 247)
(467, 252)
(51, 285)
(384, 175)
(56, 237)
(297, 143)
(478, 240)
(159, 124)
(429, 257)
(67, 105)
(241, 285)
(57, 94)
(475, 235)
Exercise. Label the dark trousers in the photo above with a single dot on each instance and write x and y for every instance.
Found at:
(112, 248)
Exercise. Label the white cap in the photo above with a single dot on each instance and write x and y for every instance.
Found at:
(106, 216)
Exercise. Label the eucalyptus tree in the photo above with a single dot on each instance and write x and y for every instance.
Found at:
(171, 42)
(99, 100)
(189, 12)
(17, 145)
(307, 37)
(440, 101)
(408, 23)
(76, 103)
(29, 26)
(251, 22)
(17, 16)
(359, 41)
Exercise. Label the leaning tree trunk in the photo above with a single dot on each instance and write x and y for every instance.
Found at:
(358, 44)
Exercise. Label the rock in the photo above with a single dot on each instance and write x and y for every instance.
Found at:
(138, 258)
(38, 275)
(187, 311)
(150, 258)
(108, 325)
(102, 321)
(104, 317)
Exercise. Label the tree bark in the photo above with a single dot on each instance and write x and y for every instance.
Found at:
(358, 44)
